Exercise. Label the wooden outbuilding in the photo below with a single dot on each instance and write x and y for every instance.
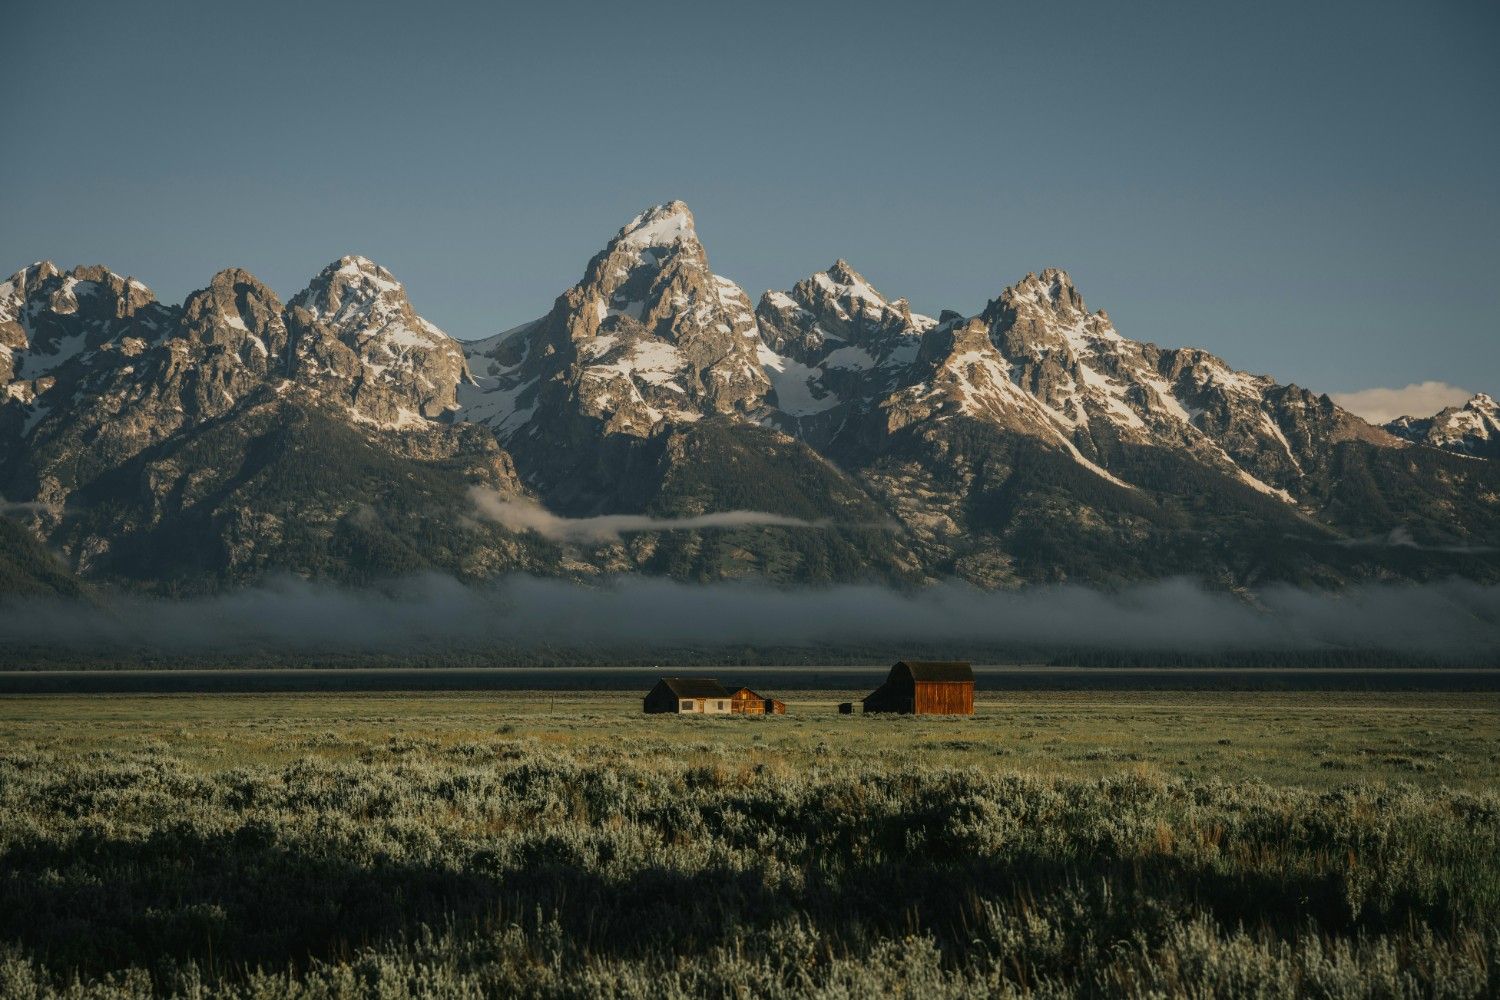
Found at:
(688, 696)
(747, 702)
(925, 687)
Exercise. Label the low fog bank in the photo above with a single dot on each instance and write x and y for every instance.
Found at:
(429, 614)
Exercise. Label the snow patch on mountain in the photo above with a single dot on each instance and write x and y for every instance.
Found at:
(795, 384)
(660, 226)
(653, 361)
(497, 403)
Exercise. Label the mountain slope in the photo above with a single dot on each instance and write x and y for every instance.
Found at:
(340, 435)
(189, 448)
(645, 390)
(27, 569)
(1174, 463)
(650, 338)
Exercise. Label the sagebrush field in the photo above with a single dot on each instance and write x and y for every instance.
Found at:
(562, 844)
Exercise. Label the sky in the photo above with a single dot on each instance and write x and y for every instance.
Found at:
(1309, 191)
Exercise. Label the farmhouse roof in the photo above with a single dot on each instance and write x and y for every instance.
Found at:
(939, 670)
(695, 687)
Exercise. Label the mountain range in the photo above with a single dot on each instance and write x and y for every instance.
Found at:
(1471, 429)
(822, 433)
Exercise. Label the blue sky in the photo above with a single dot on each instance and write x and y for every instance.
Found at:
(1310, 191)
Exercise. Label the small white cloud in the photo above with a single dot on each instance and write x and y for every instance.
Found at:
(27, 507)
(519, 514)
(1420, 399)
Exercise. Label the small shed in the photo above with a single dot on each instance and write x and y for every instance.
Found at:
(688, 696)
(925, 687)
(747, 702)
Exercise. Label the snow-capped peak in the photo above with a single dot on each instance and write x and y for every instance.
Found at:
(364, 271)
(35, 271)
(843, 281)
(1470, 429)
(362, 300)
(1052, 290)
(660, 226)
(359, 262)
(354, 291)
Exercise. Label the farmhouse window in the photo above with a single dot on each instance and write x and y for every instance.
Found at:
(687, 704)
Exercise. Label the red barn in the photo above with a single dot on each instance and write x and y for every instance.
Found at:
(925, 687)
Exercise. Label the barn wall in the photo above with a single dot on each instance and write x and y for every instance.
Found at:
(749, 706)
(663, 699)
(945, 698)
(886, 700)
(660, 699)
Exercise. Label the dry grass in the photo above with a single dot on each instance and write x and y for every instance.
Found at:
(562, 844)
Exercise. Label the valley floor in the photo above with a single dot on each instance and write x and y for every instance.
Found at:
(556, 843)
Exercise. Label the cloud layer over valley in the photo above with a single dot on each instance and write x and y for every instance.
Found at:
(432, 613)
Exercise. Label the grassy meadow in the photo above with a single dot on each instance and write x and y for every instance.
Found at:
(562, 844)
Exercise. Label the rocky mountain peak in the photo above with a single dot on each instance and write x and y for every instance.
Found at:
(94, 290)
(240, 314)
(1471, 429)
(643, 272)
(835, 311)
(353, 291)
(835, 345)
(650, 338)
(653, 386)
(843, 274)
(959, 372)
(843, 281)
(1042, 319)
(50, 317)
(36, 271)
(1046, 298)
(354, 331)
(16, 288)
(660, 226)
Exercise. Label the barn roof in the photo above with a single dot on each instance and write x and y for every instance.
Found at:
(939, 670)
(695, 687)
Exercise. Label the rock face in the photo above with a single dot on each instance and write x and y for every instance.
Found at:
(194, 446)
(833, 345)
(1471, 429)
(648, 340)
(92, 360)
(1108, 390)
(355, 336)
(341, 435)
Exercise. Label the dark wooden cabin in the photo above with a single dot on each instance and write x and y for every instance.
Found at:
(747, 702)
(925, 687)
(688, 696)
